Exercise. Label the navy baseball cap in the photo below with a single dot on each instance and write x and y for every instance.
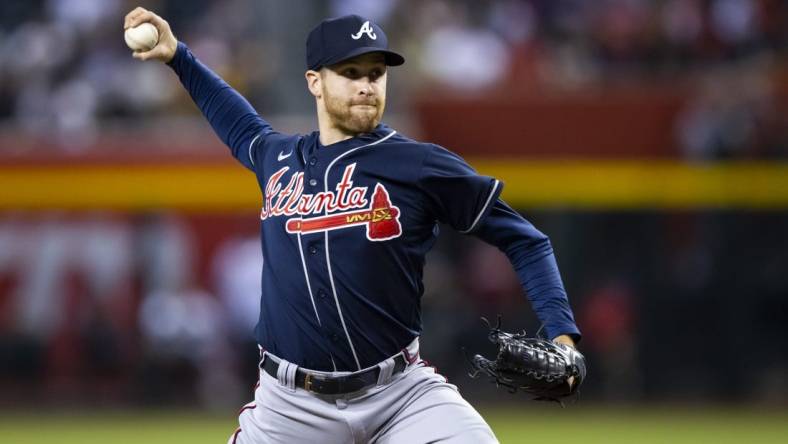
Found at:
(339, 39)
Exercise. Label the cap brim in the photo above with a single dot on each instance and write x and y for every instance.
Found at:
(391, 57)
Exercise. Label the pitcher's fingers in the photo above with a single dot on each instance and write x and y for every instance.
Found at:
(143, 55)
(131, 15)
(143, 17)
(157, 52)
(159, 23)
(152, 18)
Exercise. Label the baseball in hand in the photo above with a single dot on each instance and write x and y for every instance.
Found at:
(142, 38)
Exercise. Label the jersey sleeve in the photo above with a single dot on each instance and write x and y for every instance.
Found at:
(231, 116)
(532, 257)
(456, 194)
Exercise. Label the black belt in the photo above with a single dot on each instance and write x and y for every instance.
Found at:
(335, 385)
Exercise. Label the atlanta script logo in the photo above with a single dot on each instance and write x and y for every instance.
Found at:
(347, 206)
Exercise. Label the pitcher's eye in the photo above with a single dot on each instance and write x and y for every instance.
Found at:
(350, 73)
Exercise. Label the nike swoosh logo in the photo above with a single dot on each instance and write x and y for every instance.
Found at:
(282, 156)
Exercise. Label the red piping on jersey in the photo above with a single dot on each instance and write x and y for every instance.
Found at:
(249, 406)
(235, 435)
(408, 357)
(435, 369)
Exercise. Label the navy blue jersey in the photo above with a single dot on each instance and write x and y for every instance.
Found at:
(345, 229)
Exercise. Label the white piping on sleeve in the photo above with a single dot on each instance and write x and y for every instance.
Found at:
(251, 144)
(484, 208)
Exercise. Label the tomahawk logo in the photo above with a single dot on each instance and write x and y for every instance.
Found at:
(381, 219)
(346, 207)
(365, 29)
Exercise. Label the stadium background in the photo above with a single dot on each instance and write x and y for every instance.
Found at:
(647, 138)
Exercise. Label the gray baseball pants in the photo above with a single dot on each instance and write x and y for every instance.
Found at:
(411, 407)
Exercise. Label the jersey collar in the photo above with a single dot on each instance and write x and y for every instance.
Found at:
(379, 132)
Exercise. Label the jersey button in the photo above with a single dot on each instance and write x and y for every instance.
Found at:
(313, 182)
(321, 293)
(313, 161)
(334, 337)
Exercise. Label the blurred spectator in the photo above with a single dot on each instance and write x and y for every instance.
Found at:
(84, 15)
(180, 322)
(734, 22)
(184, 335)
(607, 317)
(165, 252)
(236, 269)
(183, 327)
(730, 117)
(378, 11)
(459, 54)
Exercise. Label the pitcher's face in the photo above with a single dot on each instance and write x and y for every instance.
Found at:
(354, 92)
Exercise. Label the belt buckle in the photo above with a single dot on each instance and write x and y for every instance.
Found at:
(308, 382)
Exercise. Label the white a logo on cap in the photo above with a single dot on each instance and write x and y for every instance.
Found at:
(365, 29)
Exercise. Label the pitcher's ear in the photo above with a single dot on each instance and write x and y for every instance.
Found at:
(314, 81)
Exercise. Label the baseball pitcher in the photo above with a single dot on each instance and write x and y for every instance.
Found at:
(348, 214)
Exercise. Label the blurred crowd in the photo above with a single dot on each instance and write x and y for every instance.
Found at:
(100, 308)
(159, 309)
(65, 72)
